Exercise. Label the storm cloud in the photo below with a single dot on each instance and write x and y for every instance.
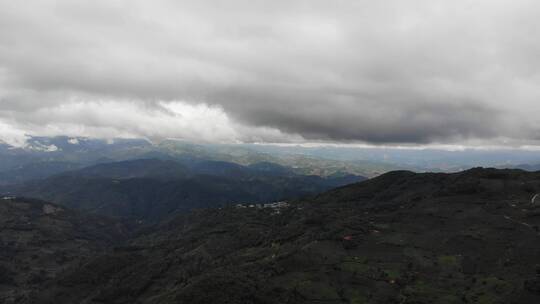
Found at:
(377, 72)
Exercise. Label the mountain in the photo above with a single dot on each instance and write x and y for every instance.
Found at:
(304, 160)
(271, 168)
(40, 239)
(42, 157)
(403, 237)
(384, 159)
(139, 168)
(221, 168)
(35, 170)
(19, 164)
(151, 189)
(86, 148)
(301, 162)
(529, 167)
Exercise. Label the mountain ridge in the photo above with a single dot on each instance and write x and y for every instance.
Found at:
(403, 237)
(150, 189)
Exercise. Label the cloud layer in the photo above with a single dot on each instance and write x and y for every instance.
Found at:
(392, 72)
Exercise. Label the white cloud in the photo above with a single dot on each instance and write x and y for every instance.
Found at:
(116, 119)
(73, 141)
(11, 135)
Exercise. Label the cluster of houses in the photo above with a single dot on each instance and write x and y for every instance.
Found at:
(273, 205)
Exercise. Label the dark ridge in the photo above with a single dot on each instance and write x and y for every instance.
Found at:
(468, 237)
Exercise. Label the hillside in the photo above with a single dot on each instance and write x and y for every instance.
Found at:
(39, 239)
(469, 237)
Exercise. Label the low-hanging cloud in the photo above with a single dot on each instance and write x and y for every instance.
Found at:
(415, 72)
(128, 119)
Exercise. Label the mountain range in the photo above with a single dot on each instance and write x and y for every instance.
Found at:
(42, 157)
(402, 237)
(151, 189)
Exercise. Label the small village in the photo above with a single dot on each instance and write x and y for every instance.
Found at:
(273, 205)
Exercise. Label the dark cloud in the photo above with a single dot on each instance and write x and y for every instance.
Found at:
(349, 118)
(427, 71)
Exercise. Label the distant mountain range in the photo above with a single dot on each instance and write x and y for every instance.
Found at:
(45, 156)
(402, 237)
(78, 152)
(529, 167)
(151, 189)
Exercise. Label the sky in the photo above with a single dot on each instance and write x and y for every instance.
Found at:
(388, 72)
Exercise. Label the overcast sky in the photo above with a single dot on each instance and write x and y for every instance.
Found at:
(377, 72)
